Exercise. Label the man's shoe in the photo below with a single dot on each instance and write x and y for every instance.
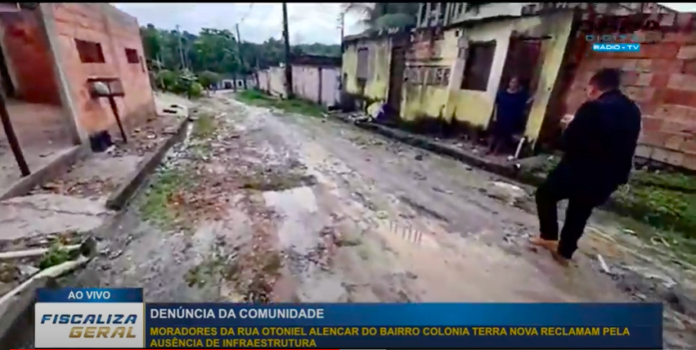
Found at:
(560, 259)
(547, 244)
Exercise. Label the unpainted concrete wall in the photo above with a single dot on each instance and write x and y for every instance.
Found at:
(115, 31)
(661, 78)
(28, 58)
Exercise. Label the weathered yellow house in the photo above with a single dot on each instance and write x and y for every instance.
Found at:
(452, 64)
(482, 49)
(449, 69)
(368, 68)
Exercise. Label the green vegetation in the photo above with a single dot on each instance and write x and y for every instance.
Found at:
(671, 210)
(214, 54)
(385, 14)
(160, 204)
(258, 98)
(204, 126)
(55, 255)
(179, 82)
(185, 63)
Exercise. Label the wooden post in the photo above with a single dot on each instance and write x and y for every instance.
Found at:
(114, 108)
(12, 138)
(241, 57)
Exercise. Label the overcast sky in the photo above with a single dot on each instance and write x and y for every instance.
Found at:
(308, 22)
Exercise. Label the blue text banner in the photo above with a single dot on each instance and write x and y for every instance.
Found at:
(209, 325)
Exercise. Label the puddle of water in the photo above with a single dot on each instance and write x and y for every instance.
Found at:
(187, 138)
(299, 207)
(411, 234)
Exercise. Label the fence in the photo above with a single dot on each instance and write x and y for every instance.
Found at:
(313, 83)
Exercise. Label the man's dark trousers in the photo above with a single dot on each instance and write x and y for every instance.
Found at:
(583, 195)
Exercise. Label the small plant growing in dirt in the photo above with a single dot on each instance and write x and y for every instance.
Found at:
(55, 255)
(204, 126)
(258, 98)
(160, 201)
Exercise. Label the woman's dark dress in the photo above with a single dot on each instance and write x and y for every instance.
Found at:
(510, 108)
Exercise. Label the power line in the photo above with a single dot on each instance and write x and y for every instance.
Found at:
(247, 13)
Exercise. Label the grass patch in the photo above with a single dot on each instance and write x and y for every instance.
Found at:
(272, 181)
(156, 206)
(55, 255)
(258, 98)
(204, 273)
(663, 208)
(204, 127)
(666, 180)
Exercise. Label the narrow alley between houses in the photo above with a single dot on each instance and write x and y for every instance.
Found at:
(259, 205)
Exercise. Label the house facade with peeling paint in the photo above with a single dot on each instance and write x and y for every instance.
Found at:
(369, 72)
(458, 58)
(476, 53)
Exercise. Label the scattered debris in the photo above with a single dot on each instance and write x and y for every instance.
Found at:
(33, 252)
(438, 189)
(654, 240)
(603, 264)
(506, 192)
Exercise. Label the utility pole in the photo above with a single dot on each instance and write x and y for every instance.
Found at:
(181, 49)
(241, 57)
(341, 24)
(288, 68)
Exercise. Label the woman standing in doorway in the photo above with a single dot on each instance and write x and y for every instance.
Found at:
(510, 107)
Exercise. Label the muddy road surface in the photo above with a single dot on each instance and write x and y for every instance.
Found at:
(258, 205)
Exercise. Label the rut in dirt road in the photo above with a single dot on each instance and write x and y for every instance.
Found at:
(263, 206)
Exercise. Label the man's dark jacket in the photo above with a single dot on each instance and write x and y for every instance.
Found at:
(600, 142)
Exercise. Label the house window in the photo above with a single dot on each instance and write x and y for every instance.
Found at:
(89, 51)
(441, 13)
(423, 13)
(438, 76)
(362, 63)
(132, 56)
(478, 65)
(445, 77)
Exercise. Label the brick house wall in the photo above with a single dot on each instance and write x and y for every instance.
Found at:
(661, 78)
(115, 32)
(27, 57)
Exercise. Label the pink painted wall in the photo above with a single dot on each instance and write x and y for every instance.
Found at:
(305, 81)
(330, 91)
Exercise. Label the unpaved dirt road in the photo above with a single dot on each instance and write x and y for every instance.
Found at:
(258, 205)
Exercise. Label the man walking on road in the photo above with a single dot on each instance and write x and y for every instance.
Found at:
(598, 145)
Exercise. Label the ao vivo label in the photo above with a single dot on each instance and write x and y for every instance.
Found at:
(615, 47)
(89, 318)
(90, 295)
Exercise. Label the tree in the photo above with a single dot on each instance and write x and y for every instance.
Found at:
(216, 51)
(385, 14)
(208, 78)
